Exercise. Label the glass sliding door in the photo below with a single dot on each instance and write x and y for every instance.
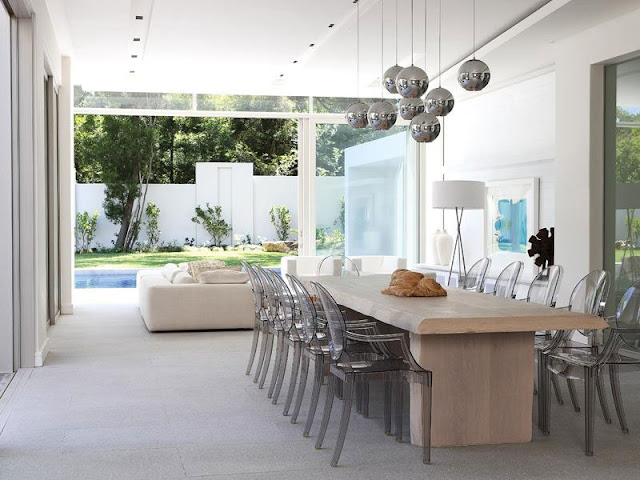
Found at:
(365, 187)
(622, 176)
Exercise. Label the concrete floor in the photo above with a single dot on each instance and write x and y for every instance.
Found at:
(116, 402)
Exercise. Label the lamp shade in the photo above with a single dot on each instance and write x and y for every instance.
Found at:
(458, 194)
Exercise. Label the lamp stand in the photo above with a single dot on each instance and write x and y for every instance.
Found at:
(457, 248)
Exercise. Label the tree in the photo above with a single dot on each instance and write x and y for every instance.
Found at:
(153, 232)
(125, 149)
(213, 223)
(86, 225)
(281, 221)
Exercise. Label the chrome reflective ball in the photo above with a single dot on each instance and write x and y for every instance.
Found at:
(389, 78)
(382, 116)
(412, 82)
(474, 75)
(439, 101)
(410, 107)
(425, 127)
(357, 115)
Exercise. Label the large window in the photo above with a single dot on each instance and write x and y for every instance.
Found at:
(365, 180)
(622, 186)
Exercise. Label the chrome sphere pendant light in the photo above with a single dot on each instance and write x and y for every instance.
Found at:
(425, 127)
(439, 101)
(410, 107)
(357, 113)
(382, 115)
(390, 74)
(474, 74)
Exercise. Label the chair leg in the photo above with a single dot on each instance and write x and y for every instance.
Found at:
(315, 395)
(276, 364)
(556, 389)
(544, 393)
(347, 397)
(254, 348)
(304, 375)
(399, 404)
(614, 378)
(590, 375)
(284, 357)
(267, 360)
(387, 404)
(602, 396)
(327, 411)
(263, 350)
(571, 384)
(297, 352)
(365, 399)
(358, 394)
(426, 422)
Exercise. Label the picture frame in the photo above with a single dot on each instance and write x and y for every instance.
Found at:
(511, 215)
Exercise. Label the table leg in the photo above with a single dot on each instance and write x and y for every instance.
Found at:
(482, 388)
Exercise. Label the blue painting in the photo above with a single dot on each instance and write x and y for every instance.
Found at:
(510, 227)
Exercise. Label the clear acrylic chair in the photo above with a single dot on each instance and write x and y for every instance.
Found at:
(352, 367)
(588, 296)
(585, 365)
(349, 267)
(506, 282)
(261, 325)
(275, 330)
(474, 280)
(543, 290)
(316, 348)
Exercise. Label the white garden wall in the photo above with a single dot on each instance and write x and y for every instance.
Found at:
(245, 199)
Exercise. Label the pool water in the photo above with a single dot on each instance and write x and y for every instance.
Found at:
(105, 279)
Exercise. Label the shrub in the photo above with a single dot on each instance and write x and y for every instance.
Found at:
(153, 232)
(212, 221)
(279, 247)
(281, 221)
(86, 225)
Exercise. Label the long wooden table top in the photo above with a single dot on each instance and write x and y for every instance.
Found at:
(459, 312)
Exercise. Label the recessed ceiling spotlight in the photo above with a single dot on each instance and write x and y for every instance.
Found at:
(281, 75)
(295, 61)
(312, 45)
(134, 56)
(139, 17)
(136, 39)
(132, 71)
(331, 25)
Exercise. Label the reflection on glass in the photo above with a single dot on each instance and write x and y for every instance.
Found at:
(252, 103)
(133, 100)
(361, 190)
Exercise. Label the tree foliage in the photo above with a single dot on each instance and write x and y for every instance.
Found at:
(281, 221)
(628, 149)
(212, 221)
(86, 225)
(152, 212)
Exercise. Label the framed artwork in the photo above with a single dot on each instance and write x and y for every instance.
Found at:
(511, 215)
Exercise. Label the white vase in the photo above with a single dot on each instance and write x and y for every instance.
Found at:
(444, 244)
(435, 258)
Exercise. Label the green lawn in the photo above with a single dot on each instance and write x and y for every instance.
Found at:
(159, 259)
(630, 253)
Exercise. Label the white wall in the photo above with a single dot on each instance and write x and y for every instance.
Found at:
(580, 64)
(270, 192)
(504, 134)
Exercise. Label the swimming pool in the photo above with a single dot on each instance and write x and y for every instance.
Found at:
(99, 278)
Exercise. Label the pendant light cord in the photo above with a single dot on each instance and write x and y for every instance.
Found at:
(474, 29)
(443, 166)
(381, 50)
(425, 34)
(412, 32)
(358, 50)
(440, 44)
(396, 32)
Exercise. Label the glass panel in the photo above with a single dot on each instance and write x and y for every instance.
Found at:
(626, 241)
(364, 186)
(252, 103)
(338, 104)
(134, 100)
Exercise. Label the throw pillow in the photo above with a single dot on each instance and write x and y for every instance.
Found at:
(169, 271)
(182, 278)
(197, 267)
(223, 276)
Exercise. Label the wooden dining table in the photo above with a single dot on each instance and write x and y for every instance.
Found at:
(479, 347)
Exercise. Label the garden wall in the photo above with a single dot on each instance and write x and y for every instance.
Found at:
(245, 199)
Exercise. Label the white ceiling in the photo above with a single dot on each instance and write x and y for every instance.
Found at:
(217, 46)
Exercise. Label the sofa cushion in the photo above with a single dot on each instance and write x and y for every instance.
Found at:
(184, 266)
(223, 276)
(182, 278)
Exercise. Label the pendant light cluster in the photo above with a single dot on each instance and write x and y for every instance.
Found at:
(411, 83)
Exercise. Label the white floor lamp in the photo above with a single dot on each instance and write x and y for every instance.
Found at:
(458, 195)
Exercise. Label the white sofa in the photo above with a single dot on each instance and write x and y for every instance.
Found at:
(166, 306)
(377, 264)
(308, 266)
